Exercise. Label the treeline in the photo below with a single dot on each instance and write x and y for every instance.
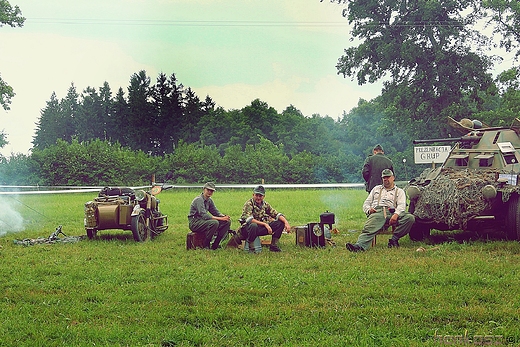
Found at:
(101, 163)
(155, 118)
(150, 117)
(95, 138)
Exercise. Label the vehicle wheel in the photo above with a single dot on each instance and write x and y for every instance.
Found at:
(91, 233)
(419, 232)
(139, 228)
(513, 219)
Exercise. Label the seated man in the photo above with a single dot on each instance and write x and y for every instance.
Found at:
(386, 204)
(204, 217)
(261, 219)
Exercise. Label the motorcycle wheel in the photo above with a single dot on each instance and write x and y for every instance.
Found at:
(139, 228)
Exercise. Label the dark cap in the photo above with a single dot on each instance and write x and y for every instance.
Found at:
(386, 173)
(378, 147)
(259, 190)
(210, 186)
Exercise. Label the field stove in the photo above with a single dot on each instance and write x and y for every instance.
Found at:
(313, 234)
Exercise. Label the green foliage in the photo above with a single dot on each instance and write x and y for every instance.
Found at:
(298, 169)
(506, 16)
(171, 127)
(11, 16)
(171, 130)
(426, 52)
(264, 160)
(93, 163)
(503, 104)
(6, 94)
(3, 139)
(19, 169)
(233, 163)
(48, 129)
(194, 163)
(155, 118)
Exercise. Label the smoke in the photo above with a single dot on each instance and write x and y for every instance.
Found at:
(11, 221)
(335, 202)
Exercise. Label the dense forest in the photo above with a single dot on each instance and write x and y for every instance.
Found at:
(97, 138)
(434, 60)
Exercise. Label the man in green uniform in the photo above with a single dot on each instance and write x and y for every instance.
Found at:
(204, 217)
(373, 167)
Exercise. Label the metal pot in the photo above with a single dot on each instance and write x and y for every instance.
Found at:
(327, 218)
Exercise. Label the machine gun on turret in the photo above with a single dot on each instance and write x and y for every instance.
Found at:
(465, 141)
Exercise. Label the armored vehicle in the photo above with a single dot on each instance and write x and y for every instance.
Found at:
(476, 187)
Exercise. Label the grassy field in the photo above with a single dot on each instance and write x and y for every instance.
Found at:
(115, 292)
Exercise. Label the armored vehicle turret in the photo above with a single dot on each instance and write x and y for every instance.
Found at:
(477, 185)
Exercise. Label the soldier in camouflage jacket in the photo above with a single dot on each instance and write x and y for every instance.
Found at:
(262, 219)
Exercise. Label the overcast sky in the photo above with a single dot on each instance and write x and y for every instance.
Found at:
(282, 52)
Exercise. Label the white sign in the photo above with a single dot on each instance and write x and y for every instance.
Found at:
(511, 178)
(431, 154)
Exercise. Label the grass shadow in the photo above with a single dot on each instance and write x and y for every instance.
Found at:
(113, 236)
(464, 236)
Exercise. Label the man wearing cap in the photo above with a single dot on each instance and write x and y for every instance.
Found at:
(373, 167)
(261, 219)
(386, 204)
(204, 217)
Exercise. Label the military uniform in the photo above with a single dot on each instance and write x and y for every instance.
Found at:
(372, 168)
(265, 213)
(385, 202)
(200, 219)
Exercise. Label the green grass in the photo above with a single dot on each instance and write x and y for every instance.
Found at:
(115, 292)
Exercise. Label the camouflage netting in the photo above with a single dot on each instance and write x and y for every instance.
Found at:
(455, 196)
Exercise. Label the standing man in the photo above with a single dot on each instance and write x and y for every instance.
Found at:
(204, 217)
(373, 167)
(261, 219)
(386, 204)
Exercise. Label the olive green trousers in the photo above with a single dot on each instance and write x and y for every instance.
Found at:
(376, 221)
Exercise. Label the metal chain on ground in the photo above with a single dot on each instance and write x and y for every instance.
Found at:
(53, 238)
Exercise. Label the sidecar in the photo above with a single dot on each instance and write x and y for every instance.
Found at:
(126, 209)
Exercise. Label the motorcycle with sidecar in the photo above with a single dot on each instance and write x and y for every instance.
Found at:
(128, 209)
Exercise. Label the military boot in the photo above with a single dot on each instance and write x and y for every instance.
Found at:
(207, 242)
(251, 245)
(274, 245)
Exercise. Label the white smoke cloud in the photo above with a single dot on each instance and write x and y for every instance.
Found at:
(11, 221)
